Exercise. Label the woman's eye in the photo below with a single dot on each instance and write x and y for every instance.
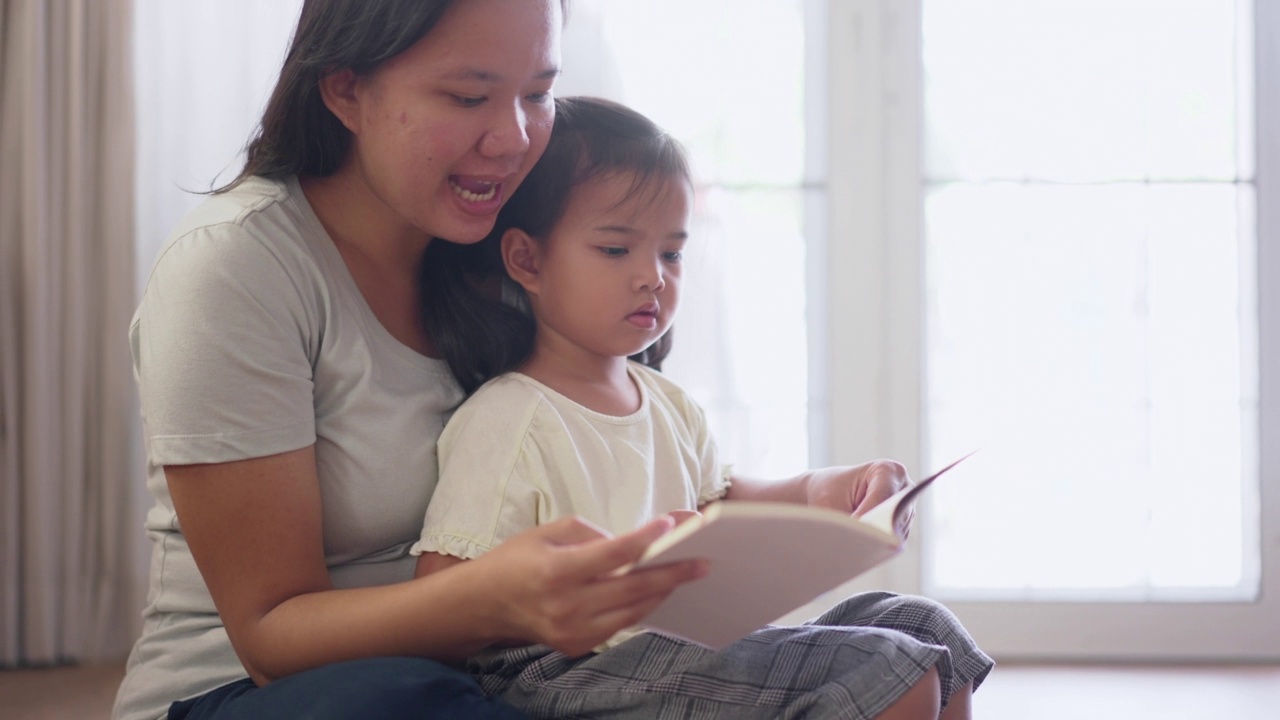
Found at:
(539, 98)
(674, 256)
(466, 101)
(613, 251)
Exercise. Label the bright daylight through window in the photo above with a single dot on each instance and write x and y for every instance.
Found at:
(741, 337)
(1090, 298)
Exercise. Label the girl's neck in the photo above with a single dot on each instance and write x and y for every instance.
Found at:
(601, 384)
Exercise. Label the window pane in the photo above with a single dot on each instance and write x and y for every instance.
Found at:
(698, 69)
(741, 336)
(1098, 343)
(1085, 90)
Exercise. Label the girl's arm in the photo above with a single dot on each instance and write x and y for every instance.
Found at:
(854, 489)
(430, 562)
(254, 528)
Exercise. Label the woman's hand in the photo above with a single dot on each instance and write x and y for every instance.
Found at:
(858, 489)
(559, 584)
(680, 516)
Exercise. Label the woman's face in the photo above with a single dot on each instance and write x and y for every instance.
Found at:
(445, 131)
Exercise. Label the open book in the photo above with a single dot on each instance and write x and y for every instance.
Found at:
(768, 559)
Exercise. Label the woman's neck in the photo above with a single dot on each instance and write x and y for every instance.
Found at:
(380, 252)
(598, 383)
(359, 222)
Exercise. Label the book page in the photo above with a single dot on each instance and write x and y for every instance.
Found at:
(889, 515)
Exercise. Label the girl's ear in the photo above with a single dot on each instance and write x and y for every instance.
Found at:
(339, 93)
(522, 255)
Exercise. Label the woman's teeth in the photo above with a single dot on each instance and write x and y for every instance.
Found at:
(470, 196)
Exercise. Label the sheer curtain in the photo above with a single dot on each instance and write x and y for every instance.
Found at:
(66, 395)
(744, 111)
(205, 69)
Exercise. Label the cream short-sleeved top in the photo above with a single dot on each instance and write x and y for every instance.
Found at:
(519, 454)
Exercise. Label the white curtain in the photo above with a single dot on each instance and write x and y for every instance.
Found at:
(742, 333)
(204, 70)
(68, 574)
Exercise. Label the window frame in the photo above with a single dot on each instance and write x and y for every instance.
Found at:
(869, 342)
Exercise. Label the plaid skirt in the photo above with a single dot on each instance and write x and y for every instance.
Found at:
(852, 662)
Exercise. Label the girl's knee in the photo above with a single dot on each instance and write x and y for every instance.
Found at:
(883, 609)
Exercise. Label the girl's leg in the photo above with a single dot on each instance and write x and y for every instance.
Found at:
(963, 667)
(856, 661)
(920, 703)
(961, 705)
(783, 673)
(373, 689)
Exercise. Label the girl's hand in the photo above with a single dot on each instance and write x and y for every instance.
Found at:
(555, 584)
(858, 489)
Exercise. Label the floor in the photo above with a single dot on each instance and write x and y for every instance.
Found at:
(1081, 692)
(1013, 692)
(84, 693)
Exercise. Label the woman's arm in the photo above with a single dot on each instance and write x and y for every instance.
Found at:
(254, 528)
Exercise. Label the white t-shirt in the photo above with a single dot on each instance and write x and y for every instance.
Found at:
(252, 339)
(519, 454)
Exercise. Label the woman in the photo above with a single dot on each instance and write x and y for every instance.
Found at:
(290, 396)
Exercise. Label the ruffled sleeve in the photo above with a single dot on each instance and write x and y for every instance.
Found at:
(489, 487)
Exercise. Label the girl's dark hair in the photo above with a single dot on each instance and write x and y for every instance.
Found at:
(479, 335)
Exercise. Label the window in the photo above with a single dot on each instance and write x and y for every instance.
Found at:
(1064, 210)
(1090, 302)
(1042, 227)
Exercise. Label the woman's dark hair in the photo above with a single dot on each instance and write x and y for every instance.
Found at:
(479, 335)
(298, 134)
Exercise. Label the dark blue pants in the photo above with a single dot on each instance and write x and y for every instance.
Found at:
(375, 689)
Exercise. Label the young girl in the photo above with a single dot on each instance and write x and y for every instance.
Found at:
(568, 417)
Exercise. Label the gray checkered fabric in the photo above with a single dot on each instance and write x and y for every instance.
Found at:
(852, 662)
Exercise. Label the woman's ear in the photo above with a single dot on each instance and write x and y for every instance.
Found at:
(522, 255)
(338, 90)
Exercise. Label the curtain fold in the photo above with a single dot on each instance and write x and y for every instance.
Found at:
(67, 408)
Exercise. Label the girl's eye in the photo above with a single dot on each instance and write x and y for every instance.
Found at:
(539, 98)
(613, 251)
(466, 101)
(674, 256)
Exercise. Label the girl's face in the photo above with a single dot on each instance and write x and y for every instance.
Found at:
(608, 275)
(445, 131)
